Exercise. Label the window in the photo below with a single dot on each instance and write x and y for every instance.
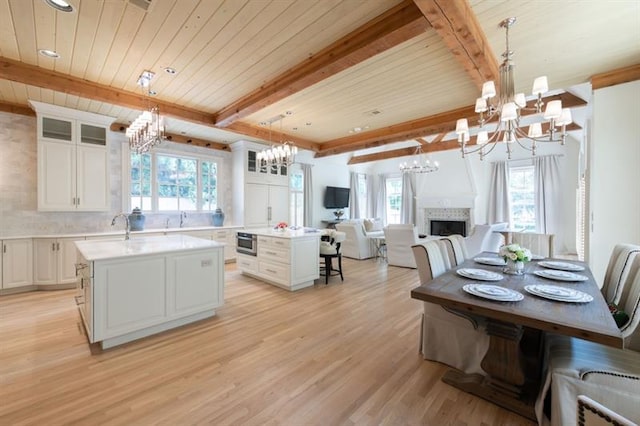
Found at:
(209, 185)
(522, 195)
(177, 183)
(140, 176)
(165, 182)
(361, 193)
(394, 199)
(297, 198)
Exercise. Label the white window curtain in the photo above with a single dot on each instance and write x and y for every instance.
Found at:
(307, 218)
(547, 189)
(354, 202)
(499, 203)
(408, 205)
(381, 199)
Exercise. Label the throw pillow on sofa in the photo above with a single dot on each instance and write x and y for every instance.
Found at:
(372, 225)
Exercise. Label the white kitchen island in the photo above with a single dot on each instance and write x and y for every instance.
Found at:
(134, 288)
(288, 259)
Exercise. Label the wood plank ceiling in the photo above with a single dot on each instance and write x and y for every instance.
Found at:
(355, 74)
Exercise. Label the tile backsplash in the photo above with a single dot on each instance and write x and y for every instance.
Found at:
(18, 187)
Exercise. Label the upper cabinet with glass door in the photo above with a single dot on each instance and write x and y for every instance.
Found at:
(73, 160)
(256, 173)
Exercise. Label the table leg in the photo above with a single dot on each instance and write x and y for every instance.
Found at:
(512, 381)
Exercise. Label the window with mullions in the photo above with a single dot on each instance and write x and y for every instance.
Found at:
(177, 183)
(522, 193)
(165, 182)
(140, 177)
(362, 195)
(394, 199)
(209, 185)
(297, 198)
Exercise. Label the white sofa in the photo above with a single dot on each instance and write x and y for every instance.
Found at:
(357, 244)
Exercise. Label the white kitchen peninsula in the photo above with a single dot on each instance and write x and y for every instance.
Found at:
(134, 288)
(288, 259)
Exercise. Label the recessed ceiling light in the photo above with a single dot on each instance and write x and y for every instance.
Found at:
(308, 123)
(49, 53)
(289, 112)
(170, 70)
(152, 93)
(60, 5)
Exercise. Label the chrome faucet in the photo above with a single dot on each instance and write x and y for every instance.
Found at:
(183, 216)
(128, 226)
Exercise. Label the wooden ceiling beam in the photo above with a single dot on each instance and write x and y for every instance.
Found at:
(271, 135)
(619, 76)
(397, 25)
(17, 109)
(63, 83)
(457, 25)
(429, 148)
(120, 127)
(444, 122)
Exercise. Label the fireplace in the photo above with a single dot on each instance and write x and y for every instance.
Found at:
(448, 227)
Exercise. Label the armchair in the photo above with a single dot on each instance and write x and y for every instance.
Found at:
(357, 244)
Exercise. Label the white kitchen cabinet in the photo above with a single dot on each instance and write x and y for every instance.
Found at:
(226, 236)
(54, 260)
(265, 205)
(262, 174)
(161, 283)
(260, 196)
(287, 262)
(73, 159)
(17, 263)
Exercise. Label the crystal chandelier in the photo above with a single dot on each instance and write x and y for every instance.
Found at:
(421, 164)
(504, 112)
(147, 130)
(277, 155)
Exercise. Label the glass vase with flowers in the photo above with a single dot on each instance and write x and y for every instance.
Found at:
(514, 256)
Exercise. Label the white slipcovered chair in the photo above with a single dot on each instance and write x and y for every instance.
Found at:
(448, 337)
(592, 413)
(398, 239)
(620, 262)
(456, 248)
(357, 244)
(485, 238)
(608, 375)
(540, 244)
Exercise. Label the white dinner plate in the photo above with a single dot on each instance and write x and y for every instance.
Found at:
(560, 294)
(479, 274)
(563, 266)
(493, 261)
(553, 274)
(493, 292)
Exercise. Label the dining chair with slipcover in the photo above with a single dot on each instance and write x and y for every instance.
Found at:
(609, 375)
(540, 244)
(620, 263)
(458, 249)
(447, 336)
(592, 413)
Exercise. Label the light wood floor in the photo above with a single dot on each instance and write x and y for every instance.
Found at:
(328, 355)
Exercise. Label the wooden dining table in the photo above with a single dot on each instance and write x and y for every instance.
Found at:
(513, 362)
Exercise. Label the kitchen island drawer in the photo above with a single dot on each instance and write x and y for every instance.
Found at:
(274, 272)
(274, 254)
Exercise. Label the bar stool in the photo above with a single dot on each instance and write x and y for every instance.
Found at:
(329, 250)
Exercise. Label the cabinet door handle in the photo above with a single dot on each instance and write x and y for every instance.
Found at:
(4, 248)
(272, 271)
(78, 200)
(53, 246)
(58, 246)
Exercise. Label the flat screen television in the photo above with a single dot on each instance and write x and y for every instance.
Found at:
(336, 198)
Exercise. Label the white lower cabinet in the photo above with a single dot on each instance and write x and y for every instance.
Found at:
(17, 263)
(290, 263)
(134, 297)
(228, 238)
(54, 261)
